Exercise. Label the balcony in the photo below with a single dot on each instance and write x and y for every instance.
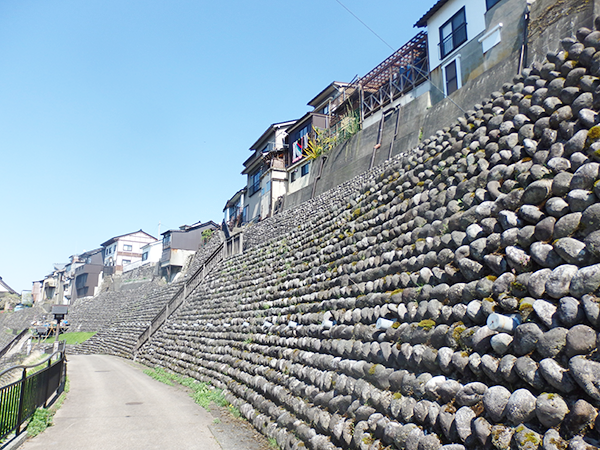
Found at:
(400, 73)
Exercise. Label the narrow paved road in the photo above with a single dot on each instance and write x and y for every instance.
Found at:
(112, 404)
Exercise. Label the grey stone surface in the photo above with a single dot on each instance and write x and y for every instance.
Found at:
(571, 250)
(550, 409)
(520, 407)
(570, 311)
(581, 340)
(557, 376)
(526, 338)
(552, 342)
(585, 281)
(567, 225)
(587, 374)
(495, 400)
(559, 282)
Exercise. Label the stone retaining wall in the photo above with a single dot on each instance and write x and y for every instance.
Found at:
(498, 214)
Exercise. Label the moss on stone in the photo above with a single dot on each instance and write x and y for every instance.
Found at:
(426, 324)
(594, 133)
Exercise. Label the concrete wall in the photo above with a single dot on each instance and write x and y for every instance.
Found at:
(401, 130)
(552, 20)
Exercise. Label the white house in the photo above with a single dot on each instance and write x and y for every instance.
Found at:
(120, 251)
(151, 254)
(467, 37)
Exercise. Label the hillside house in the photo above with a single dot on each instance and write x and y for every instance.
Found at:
(87, 273)
(55, 284)
(125, 249)
(234, 213)
(267, 176)
(326, 105)
(151, 254)
(467, 37)
(179, 245)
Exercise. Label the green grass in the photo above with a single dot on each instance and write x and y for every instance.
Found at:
(76, 337)
(42, 418)
(70, 338)
(203, 393)
(234, 411)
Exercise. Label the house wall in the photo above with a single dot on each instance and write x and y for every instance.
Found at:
(253, 203)
(186, 240)
(266, 186)
(118, 252)
(301, 181)
(474, 12)
(36, 291)
(278, 186)
(89, 287)
(280, 135)
(175, 256)
(154, 251)
(472, 61)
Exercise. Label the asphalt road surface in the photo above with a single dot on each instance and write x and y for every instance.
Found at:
(112, 404)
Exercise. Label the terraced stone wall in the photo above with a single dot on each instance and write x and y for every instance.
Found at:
(450, 303)
(121, 316)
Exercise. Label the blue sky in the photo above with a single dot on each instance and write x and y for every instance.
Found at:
(116, 115)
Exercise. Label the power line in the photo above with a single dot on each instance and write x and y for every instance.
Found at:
(426, 75)
(367, 26)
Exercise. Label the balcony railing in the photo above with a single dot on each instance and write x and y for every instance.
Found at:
(400, 73)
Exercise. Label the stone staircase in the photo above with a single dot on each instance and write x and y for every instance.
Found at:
(120, 317)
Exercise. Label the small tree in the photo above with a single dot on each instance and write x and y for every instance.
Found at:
(10, 300)
(206, 235)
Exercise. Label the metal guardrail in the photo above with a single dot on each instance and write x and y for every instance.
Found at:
(20, 399)
(179, 297)
(10, 345)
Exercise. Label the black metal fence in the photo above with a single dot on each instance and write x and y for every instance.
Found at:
(19, 399)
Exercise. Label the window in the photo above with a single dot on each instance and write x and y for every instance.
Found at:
(490, 3)
(451, 76)
(254, 179)
(126, 261)
(300, 144)
(293, 175)
(453, 33)
(145, 256)
(304, 170)
(325, 110)
(127, 248)
(267, 186)
(167, 240)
